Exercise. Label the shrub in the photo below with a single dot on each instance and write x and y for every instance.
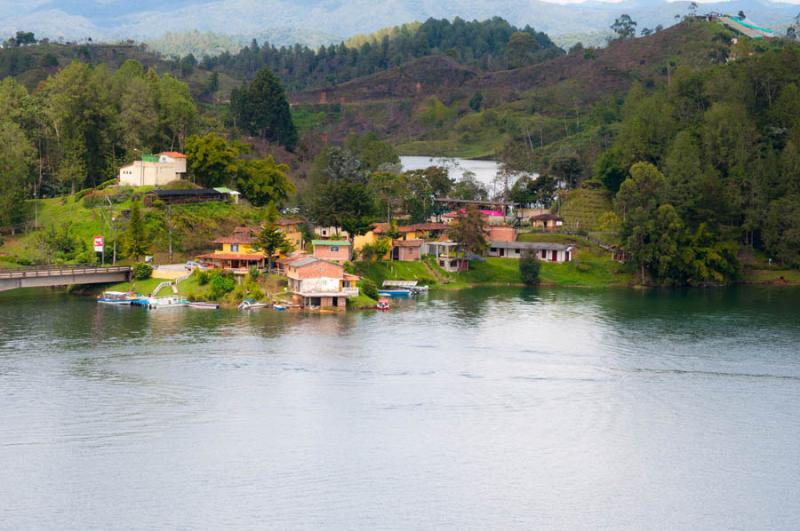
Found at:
(202, 277)
(583, 267)
(221, 283)
(141, 271)
(369, 288)
(254, 273)
(529, 267)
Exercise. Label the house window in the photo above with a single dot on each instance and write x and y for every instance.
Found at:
(334, 249)
(516, 251)
(234, 247)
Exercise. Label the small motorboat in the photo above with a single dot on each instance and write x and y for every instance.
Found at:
(249, 304)
(279, 307)
(383, 305)
(116, 297)
(204, 305)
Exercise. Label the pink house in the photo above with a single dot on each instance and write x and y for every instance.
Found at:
(337, 250)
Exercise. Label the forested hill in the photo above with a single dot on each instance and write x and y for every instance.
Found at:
(488, 45)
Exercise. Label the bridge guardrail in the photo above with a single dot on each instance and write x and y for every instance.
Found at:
(50, 271)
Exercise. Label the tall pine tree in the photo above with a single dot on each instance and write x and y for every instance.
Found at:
(261, 109)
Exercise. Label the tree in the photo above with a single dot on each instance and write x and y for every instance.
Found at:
(566, 166)
(213, 161)
(624, 27)
(177, 111)
(372, 152)
(609, 170)
(136, 241)
(782, 230)
(138, 116)
(521, 49)
(529, 267)
(272, 240)
(469, 188)
(339, 194)
(261, 109)
(476, 101)
(16, 156)
(264, 181)
(469, 230)
(538, 191)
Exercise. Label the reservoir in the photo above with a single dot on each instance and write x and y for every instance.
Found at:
(478, 409)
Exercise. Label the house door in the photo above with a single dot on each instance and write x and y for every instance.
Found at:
(554, 256)
(502, 252)
(395, 254)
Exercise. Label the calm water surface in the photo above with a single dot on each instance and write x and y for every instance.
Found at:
(497, 409)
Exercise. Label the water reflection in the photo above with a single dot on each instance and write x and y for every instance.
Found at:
(501, 408)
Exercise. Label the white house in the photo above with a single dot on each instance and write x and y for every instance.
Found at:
(548, 252)
(154, 170)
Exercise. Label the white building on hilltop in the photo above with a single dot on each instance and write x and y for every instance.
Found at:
(154, 170)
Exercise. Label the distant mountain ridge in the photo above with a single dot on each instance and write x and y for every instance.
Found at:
(315, 22)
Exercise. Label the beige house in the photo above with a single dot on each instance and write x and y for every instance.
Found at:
(154, 170)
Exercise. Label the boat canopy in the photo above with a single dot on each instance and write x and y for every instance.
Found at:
(400, 283)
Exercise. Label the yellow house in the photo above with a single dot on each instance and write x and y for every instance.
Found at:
(238, 250)
(292, 229)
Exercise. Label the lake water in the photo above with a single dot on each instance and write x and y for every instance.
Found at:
(482, 409)
(485, 170)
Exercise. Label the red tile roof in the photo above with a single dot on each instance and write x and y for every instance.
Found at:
(174, 154)
(233, 256)
(236, 238)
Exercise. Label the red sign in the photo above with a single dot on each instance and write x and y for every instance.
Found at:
(99, 243)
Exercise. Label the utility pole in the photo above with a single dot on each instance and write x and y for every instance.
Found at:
(169, 230)
(111, 230)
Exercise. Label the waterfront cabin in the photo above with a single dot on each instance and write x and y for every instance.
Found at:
(547, 252)
(337, 250)
(321, 284)
(407, 250)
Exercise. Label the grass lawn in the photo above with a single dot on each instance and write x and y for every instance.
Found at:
(380, 271)
(145, 287)
(362, 302)
(769, 276)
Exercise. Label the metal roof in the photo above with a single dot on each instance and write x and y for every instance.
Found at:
(533, 246)
(331, 243)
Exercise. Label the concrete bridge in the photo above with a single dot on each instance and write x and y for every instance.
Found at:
(42, 277)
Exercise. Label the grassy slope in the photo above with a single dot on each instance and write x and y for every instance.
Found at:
(195, 226)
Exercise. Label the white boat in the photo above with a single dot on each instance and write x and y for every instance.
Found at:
(156, 303)
(248, 304)
(204, 305)
(116, 297)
